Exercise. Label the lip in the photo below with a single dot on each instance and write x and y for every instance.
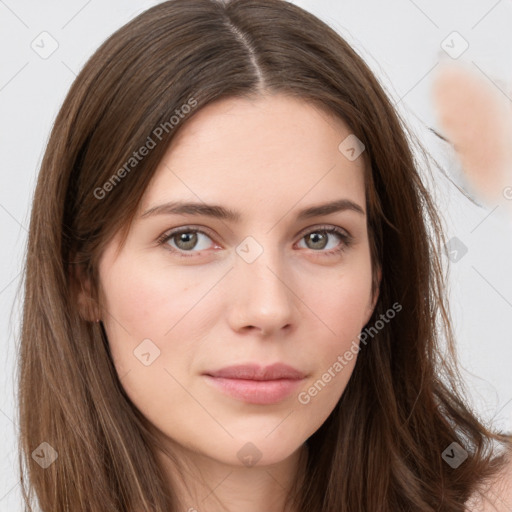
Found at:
(257, 372)
(254, 384)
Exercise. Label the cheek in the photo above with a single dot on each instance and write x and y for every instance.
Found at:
(341, 300)
(164, 306)
(342, 306)
(147, 317)
(148, 302)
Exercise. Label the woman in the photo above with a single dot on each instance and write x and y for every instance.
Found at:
(234, 297)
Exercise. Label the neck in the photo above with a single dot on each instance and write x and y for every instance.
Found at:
(203, 484)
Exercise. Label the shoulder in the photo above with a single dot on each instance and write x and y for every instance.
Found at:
(496, 495)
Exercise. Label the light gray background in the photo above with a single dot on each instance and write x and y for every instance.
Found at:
(399, 39)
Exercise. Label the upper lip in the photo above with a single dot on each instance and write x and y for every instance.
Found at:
(257, 372)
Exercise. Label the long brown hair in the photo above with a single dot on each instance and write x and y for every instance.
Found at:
(381, 447)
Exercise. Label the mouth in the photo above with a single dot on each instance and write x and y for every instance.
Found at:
(254, 384)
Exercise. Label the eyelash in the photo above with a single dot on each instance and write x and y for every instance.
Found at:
(346, 239)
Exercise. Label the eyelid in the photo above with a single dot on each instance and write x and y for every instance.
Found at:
(322, 227)
(344, 234)
(170, 233)
(209, 232)
(185, 229)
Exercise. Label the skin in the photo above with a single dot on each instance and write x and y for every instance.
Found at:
(265, 158)
(464, 99)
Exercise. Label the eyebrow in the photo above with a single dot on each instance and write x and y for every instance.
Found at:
(220, 212)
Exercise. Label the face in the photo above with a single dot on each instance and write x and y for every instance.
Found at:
(259, 280)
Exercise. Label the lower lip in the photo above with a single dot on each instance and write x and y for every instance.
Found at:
(263, 392)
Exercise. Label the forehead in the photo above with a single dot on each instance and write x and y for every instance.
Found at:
(259, 154)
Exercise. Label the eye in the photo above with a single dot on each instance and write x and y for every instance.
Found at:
(192, 240)
(185, 240)
(318, 240)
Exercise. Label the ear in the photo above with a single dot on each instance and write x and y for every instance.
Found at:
(82, 292)
(374, 299)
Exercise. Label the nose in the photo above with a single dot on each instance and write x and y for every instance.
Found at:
(263, 297)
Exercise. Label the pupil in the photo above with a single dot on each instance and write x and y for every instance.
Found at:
(317, 238)
(188, 240)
